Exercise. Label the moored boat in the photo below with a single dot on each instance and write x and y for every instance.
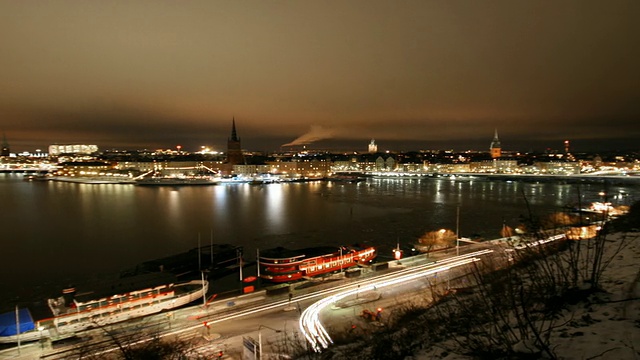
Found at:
(71, 313)
(175, 181)
(283, 265)
(92, 179)
(346, 178)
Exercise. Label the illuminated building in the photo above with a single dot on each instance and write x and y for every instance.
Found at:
(55, 150)
(495, 166)
(300, 169)
(373, 148)
(388, 164)
(251, 170)
(84, 168)
(558, 167)
(495, 148)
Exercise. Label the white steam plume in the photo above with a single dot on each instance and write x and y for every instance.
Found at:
(316, 133)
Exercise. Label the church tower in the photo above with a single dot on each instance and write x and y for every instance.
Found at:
(234, 148)
(495, 148)
(373, 148)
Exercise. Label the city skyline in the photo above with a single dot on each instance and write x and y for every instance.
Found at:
(423, 75)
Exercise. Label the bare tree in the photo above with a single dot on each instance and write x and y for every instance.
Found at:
(436, 239)
(135, 345)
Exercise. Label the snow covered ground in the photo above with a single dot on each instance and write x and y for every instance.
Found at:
(606, 325)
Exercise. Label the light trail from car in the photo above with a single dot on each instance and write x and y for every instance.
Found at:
(316, 334)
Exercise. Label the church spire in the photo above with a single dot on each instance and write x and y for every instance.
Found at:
(234, 148)
(495, 148)
(234, 134)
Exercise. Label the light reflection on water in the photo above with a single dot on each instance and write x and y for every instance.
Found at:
(54, 230)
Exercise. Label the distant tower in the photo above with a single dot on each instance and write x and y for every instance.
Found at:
(5, 151)
(234, 148)
(495, 148)
(566, 147)
(373, 148)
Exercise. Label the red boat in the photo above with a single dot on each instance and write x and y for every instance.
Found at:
(284, 265)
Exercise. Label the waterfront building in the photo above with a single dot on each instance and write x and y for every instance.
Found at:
(251, 170)
(84, 168)
(558, 167)
(380, 163)
(390, 164)
(171, 168)
(495, 148)
(495, 166)
(366, 165)
(300, 169)
(409, 168)
(444, 168)
(344, 165)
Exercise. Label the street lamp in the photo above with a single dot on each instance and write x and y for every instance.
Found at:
(458, 231)
(260, 338)
(40, 328)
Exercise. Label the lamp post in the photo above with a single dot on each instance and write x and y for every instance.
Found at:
(458, 230)
(18, 327)
(340, 258)
(40, 328)
(204, 293)
(239, 254)
(259, 357)
(258, 262)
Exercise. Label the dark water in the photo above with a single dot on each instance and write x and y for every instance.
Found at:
(57, 232)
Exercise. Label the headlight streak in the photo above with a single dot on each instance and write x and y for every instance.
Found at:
(316, 334)
(310, 317)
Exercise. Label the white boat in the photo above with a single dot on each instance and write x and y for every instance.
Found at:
(92, 179)
(176, 181)
(70, 315)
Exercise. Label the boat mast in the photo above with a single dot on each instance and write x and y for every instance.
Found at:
(239, 252)
(199, 257)
(258, 261)
(18, 327)
(204, 295)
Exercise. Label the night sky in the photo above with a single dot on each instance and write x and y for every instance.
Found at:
(411, 74)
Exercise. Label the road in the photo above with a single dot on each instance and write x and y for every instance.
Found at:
(275, 320)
